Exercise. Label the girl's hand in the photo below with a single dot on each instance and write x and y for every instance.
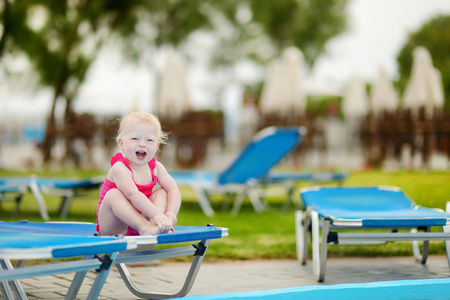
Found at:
(172, 217)
(164, 223)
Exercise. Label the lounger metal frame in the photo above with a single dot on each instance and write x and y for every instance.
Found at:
(10, 275)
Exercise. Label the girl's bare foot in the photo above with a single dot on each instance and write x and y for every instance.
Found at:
(149, 229)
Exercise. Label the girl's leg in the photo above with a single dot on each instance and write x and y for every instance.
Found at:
(116, 214)
(159, 198)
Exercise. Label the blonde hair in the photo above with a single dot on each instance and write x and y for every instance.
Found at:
(145, 117)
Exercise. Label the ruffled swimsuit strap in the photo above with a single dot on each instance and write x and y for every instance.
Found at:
(119, 157)
(144, 188)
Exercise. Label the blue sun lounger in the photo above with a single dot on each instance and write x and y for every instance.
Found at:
(67, 230)
(249, 171)
(99, 253)
(333, 214)
(12, 193)
(66, 188)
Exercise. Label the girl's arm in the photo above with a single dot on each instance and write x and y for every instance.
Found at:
(122, 177)
(169, 185)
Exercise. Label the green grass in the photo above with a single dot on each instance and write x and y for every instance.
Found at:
(268, 235)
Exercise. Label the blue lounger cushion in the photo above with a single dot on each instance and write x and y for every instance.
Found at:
(374, 206)
(181, 234)
(37, 246)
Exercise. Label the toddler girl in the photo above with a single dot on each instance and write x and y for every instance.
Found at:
(128, 204)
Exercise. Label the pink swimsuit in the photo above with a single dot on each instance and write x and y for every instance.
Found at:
(146, 189)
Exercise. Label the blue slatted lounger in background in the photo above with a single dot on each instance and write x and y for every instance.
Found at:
(380, 214)
(251, 171)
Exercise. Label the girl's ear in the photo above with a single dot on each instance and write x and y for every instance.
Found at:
(120, 143)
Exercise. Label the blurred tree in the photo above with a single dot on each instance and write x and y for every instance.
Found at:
(61, 38)
(4, 26)
(305, 24)
(435, 36)
(261, 30)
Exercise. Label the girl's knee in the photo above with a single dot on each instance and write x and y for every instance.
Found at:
(159, 199)
(158, 194)
(112, 197)
(114, 193)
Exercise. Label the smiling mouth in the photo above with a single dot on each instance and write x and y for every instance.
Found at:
(141, 154)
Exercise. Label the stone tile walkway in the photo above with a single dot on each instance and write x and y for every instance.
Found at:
(242, 276)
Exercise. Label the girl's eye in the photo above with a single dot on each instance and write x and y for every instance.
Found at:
(134, 139)
(149, 140)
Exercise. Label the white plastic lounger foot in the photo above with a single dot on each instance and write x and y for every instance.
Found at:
(421, 256)
(203, 200)
(319, 246)
(300, 236)
(39, 199)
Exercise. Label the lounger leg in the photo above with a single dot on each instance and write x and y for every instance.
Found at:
(253, 195)
(320, 246)
(238, 203)
(203, 201)
(39, 199)
(289, 196)
(447, 243)
(4, 285)
(226, 201)
(76, 283)
(103, 273)
(303, 221)
(324, 248)
(17, 200)
(306, 236)
(299, 235)
(190, 278)
(66, 201)
(420, 257)
(447, 229)
(5, 264)
(5, 290)
(256, 201)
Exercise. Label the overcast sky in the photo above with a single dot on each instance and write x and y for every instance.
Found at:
(377, 32)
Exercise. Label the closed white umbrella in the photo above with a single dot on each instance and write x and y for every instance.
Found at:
(173, 94)
(383, 96)
(268, 103)
(424, 88)
(282, 93)
(355, 104)
(293, 93)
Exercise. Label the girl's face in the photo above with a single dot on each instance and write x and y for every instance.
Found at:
(138, 141)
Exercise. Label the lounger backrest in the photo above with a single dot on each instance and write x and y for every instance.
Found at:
(263, 152)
